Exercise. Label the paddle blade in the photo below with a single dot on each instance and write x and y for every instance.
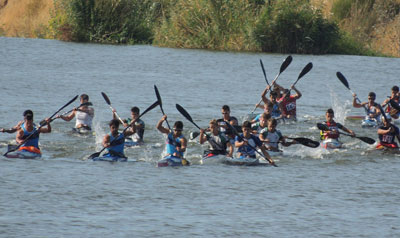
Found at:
(307, 142)
(305, 70)
(394, 104)
(322, 127)
(367, 140)
(158, 95)
(106, 98)
(285, 63)
(94, 155)
(263, 69)
(151, 107)
(343, 80)
(194, 135)
(186, 115)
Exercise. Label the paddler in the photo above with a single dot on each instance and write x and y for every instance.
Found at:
(333, 132)
(28, 134)
(84, 114)
(114, 141)
(371, 107)
(395, 96)
(272, 137)
(139, 124)
(247, 144)
(227, 118)
(388, 133)
(218, 142)
(176, 142)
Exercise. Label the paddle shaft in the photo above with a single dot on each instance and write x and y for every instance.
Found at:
(38, 130)
(108, 101)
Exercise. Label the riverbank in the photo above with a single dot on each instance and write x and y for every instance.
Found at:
(381, 35)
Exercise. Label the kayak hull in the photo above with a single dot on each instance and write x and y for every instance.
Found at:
(110, 159)
(24, 154)
(331, 144)
(246, 161)
(213, 159)
(172, 161)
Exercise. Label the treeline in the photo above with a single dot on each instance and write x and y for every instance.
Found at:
(278, 26)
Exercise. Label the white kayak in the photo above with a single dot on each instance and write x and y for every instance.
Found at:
(213, 159)
(331, 144)
(82, 131)
(246, 161)
(23, 154)
(370, 122)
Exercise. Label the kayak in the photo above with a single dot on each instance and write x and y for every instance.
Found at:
(172, 161)
(212, 159)
(82, 131)
(331, 144)
(110, 158)
(369, 122)
(246, 161)
(24, 154)
(357, 117)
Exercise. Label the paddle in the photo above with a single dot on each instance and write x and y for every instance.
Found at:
(41, 125)
(160, 102)
(306, 142)
(346, 84)
(303, 72)
(152, 106)
(394, 104)
(65, 113)
(284, 65)
(241, 137)
(367, 140)
(112, 109)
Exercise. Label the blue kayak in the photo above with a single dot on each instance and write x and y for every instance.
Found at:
(172, 161)
(110, 158)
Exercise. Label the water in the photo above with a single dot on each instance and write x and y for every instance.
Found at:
(349, 193)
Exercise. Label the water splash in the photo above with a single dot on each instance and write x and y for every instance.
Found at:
(341, 109)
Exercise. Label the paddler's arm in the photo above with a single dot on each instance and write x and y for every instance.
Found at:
(203, 137)
(46, 129)
(160, 127)
(266, 155)
(355, 103)
(19, 137)
(68, 117)
(106, 141)
(183, 145)
(230, 147)
(298, 93)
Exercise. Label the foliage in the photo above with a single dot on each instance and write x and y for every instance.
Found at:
(295, 27)
(209, 24)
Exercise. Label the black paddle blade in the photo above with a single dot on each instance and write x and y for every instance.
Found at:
(285, 63)
(305, 70)
(322, 127)
(186, 115)
(94, 155)
(151, 107)
(343, 80)
(106, 98)
(307, 142)
(366, 140)
(263, 69)
(194, 135)
(394, 104)
(158, 95)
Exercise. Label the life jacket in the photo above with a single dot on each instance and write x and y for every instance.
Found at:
(83, 118)
(390, 137)
(288, 106)
(117, 145)
(246, 150)
(273, 137)
(329, 134)
(172, 143)
(217, 144)
(33, 139)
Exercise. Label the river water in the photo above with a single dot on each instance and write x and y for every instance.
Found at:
(353, 192)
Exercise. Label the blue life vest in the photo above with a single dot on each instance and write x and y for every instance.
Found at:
(33, 140)
(173, 143)
(117, 145)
